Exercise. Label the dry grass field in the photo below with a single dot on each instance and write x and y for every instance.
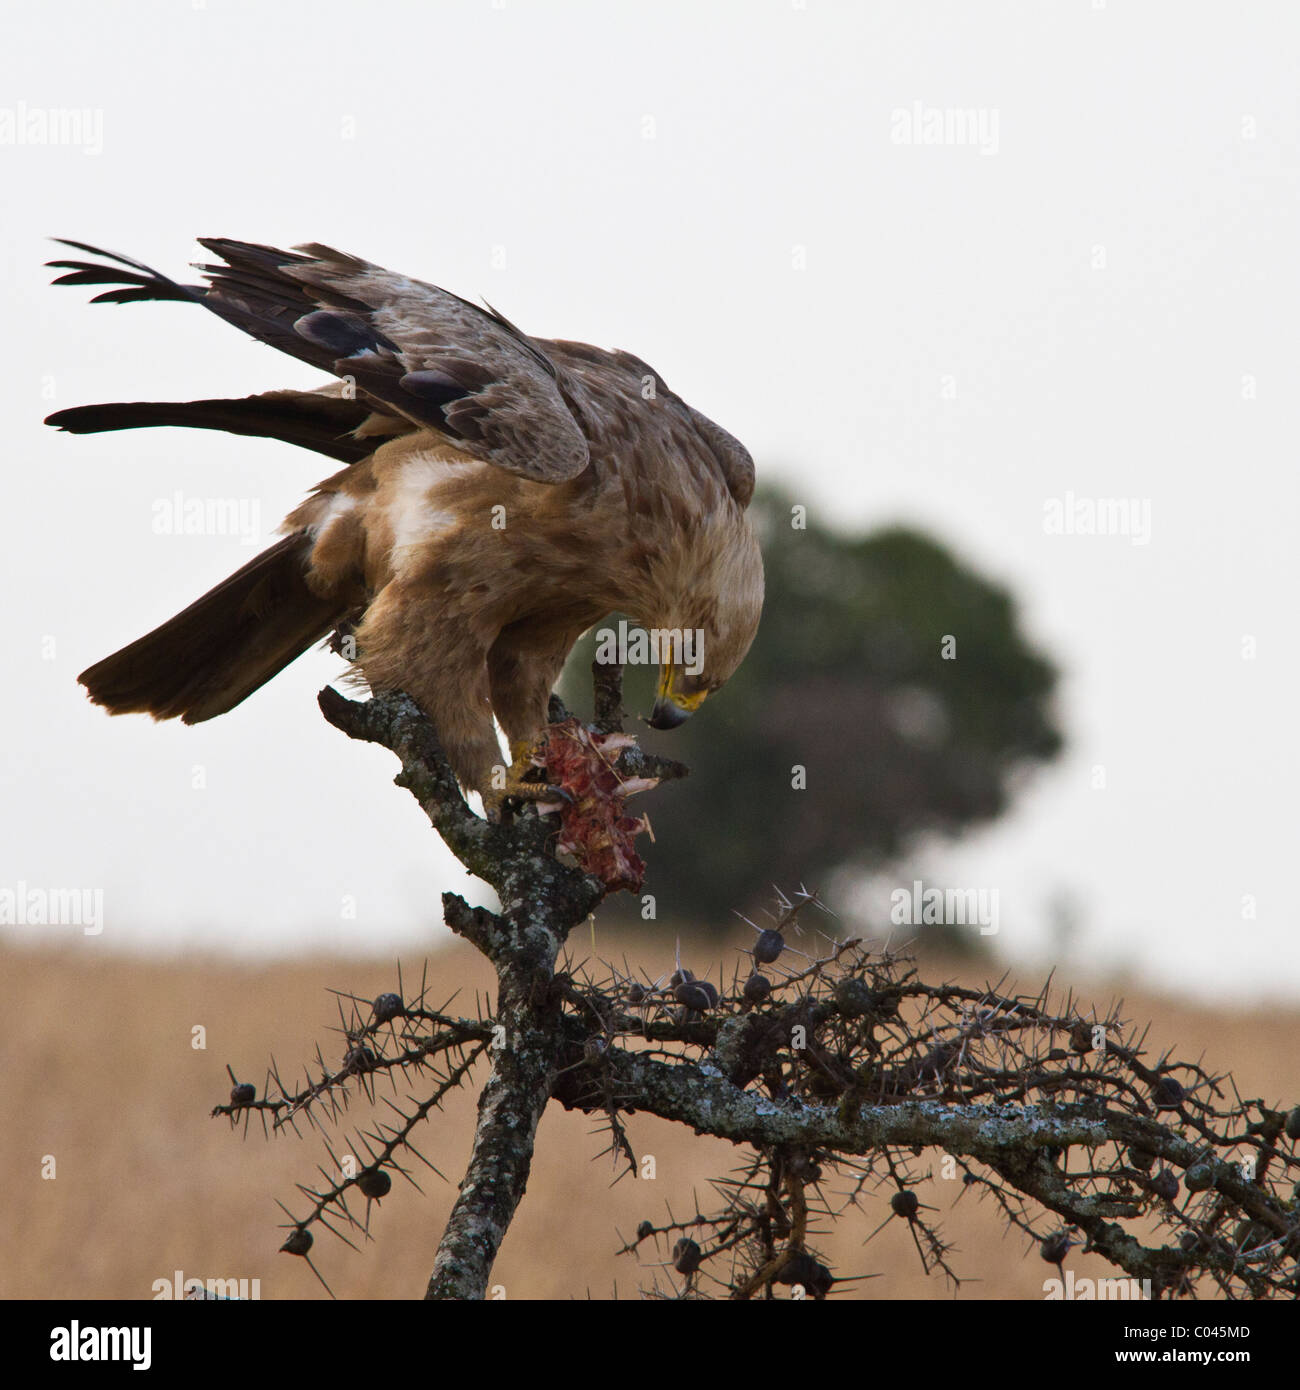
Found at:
(99, 1072)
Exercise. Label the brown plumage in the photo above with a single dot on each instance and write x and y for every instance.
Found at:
(500, 496)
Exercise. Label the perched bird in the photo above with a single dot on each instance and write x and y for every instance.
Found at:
(500, 495)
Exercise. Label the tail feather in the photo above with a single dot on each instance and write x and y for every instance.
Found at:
(224, 646)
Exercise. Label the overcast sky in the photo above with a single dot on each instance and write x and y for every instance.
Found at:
(965, 266)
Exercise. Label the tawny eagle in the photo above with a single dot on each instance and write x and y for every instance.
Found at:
(500, 495)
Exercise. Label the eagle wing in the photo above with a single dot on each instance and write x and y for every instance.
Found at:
(410, 348)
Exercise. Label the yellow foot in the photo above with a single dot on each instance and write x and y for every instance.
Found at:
(521, 781)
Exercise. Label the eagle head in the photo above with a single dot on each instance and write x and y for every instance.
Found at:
(707, 619)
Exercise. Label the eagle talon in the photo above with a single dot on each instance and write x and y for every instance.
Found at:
(517, 788)
(534, 791)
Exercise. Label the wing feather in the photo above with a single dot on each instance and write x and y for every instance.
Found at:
(410, 348)
(419, 350)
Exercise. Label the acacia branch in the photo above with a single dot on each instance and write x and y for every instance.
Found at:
(833, 1065)
(541, 901)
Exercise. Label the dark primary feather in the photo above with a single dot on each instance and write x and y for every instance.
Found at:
(308, 419)
(139, 281)
(409, 348)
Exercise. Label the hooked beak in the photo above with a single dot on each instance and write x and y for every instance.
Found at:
(672, 708)
(667, 715)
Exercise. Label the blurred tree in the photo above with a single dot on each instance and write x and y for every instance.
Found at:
(895, 677)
